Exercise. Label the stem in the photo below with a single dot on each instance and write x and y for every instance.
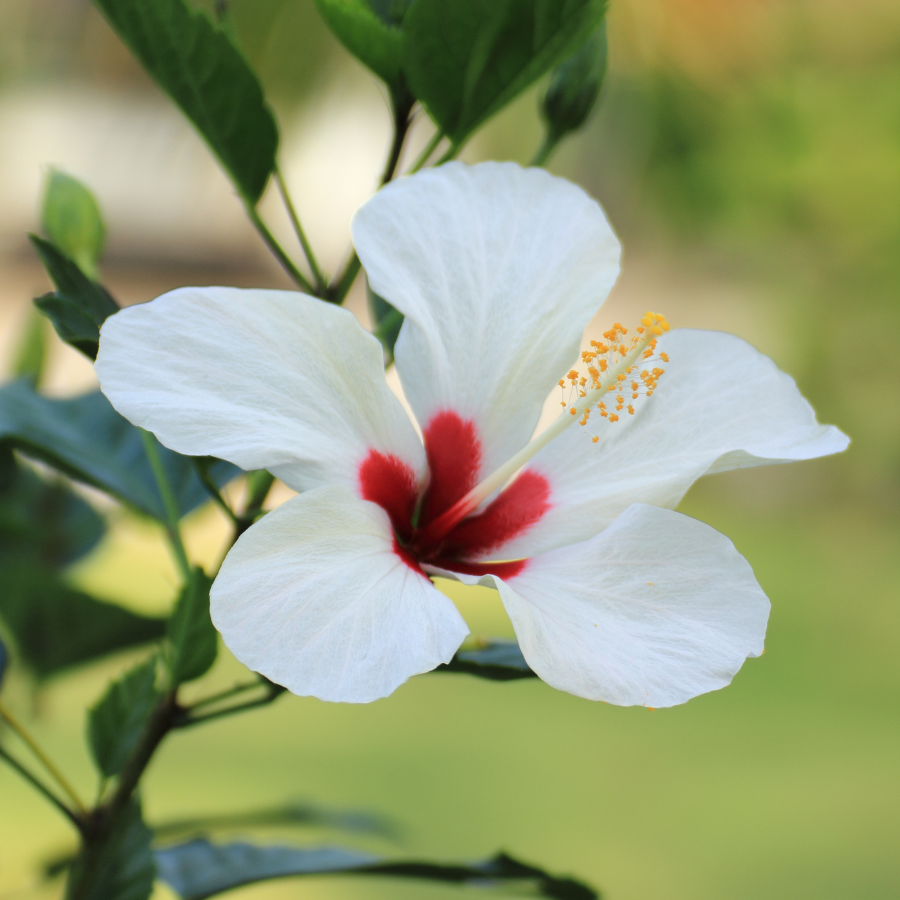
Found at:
(286, 262)
(274, 691)
(451, 151)
(214, 492)
(320, 281)
(42, 789)
(340, 287)
(224, 695)
(169, 504)
(543, 152)
(425, 155)
(45, 761)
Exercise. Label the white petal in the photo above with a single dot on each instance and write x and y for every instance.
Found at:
(498, 270)
(314, 597)
(655, 610)
(721, 405)
(265, 379)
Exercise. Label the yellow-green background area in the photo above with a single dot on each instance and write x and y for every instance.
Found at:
(750, 159)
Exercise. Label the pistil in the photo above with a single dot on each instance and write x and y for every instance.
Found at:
(617, 363)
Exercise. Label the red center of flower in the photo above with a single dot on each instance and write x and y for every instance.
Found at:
(453, 450)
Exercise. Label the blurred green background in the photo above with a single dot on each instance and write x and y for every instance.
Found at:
(749, 156)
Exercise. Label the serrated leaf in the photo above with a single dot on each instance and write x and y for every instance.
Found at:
(126, 869)
(496, 661)
(79, 306)
(56, 627)
(199, 67)
(85, 438)
(200, 869)
(72, 221)
(193, 641)
(117, 721)
(372, 38)
(467, 59)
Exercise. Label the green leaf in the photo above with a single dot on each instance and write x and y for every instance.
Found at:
(126, 869)
(44, 520)
(199, 869)
(496, 661)
(193, 642)
(199, 67)
(116, 723)
(467, 59)
(56, 627)
(85, 438)
(79, 306)
(375, 40)
(72, 221)
(32, 350)
(575, 86)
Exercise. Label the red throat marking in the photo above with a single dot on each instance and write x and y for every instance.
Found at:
(454, 460)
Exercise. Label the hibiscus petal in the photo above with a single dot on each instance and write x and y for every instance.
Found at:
(720, 405)
(655, 610)
(315, 598)
(264, 379)
(498, 270)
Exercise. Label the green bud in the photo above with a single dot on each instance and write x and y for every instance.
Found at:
(72, 221)
(574, 87)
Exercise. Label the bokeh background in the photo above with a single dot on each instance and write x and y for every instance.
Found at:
(749, 156)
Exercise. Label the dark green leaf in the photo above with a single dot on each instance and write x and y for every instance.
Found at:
(118, 720)
(497, 661)
(372, 38)
(56, 627)
(126, 869)
(199, 67)
(44, 520)
(193, 642)
(291, 814)
(71, 220)
(575, 86)
(467, 59)
(79, 306)
(199, 869)
(85, 438)
(32, 350)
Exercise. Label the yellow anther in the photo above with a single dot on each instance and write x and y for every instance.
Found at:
(630, 410)
(613, 417)
(595, 438)
(573, 411)
(664, 357)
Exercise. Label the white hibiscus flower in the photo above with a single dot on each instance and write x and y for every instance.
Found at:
(498, 270)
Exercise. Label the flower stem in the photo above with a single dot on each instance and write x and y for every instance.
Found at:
(45, 760)
(169, 504)
(425, 155)
(42, 789)
(273, 692)
(287, 264)
(545, 150)
(320, 281)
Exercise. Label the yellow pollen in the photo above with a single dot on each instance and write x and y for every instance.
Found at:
(573, 411)
(595, 438)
